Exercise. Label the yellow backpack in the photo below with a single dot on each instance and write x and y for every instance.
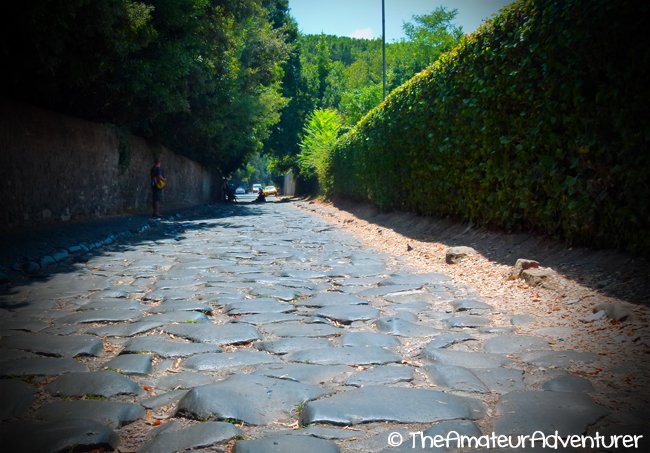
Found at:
(160, 182)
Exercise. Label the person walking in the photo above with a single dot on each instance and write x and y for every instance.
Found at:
(158, 182)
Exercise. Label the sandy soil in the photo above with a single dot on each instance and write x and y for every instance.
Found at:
(581, 279)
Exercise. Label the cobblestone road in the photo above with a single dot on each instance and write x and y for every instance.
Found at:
(262, 329)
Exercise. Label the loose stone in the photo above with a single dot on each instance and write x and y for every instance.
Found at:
(454, 255)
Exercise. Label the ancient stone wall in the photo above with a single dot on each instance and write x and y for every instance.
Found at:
(56, 168)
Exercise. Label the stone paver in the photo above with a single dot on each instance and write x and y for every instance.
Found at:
(568, 413)
(369, 339)
(207, 333)
(73, 434)
(466, 359)
(17, 398)
(404, 328)
(131, 364)
(256, 400)
(568, 383)
(506, 344)
(172, 437)
(166, 347)
(291, 344)
(100, 383)
(45, 366)
(304, 372)
(109, 413)
(218, 361)
(378, 403)
(455, 377)
(301, 329)
(558, 359)
(469, 305)
(54, 345)
(281, 443)
(352, 355)
(382, 375)
(297, 339)
(467, 321)
(446, 339)
(127, 329)
(348, 314)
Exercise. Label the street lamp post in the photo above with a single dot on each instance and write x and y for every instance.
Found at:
(383, 45)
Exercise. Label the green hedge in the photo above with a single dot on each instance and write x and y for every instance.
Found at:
(537, 122)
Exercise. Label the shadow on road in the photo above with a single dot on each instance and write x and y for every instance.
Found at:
(100, 236)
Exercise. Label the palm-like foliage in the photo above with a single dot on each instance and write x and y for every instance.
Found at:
(320, 135)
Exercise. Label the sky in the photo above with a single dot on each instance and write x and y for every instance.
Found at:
(362, 18)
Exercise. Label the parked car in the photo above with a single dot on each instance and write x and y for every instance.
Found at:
(270, 190)
(257, 188)
(240, 190)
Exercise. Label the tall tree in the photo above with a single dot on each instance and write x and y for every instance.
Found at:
(429, 36)
(345, 74)
(282, 144)
(323, 66)
(200, 76)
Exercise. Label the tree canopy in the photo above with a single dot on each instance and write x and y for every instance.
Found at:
(345, 74)
(216, 80)
(200, 76)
